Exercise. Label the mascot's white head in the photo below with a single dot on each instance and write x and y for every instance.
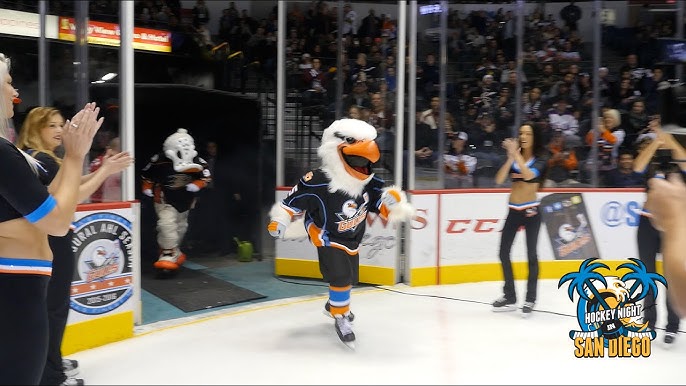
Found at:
(180, 149)
(347, 152)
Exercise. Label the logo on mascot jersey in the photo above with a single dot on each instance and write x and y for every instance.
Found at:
(609, 311)
(178, 180)
(102, 244)
(352, 215)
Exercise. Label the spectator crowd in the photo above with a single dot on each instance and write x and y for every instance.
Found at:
(480, 106)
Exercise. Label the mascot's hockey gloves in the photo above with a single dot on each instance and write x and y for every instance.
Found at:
(147, 192)
(192, 188)
(391, 197)
(395, 206)
(277, 229)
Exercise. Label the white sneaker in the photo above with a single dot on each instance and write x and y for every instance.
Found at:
(70, 367)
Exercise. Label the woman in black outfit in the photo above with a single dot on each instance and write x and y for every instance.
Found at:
(29, 212)
(648, 238)
(525, 164)
(40, 136)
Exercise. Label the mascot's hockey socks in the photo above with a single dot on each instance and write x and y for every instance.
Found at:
(329, 205)
(172, 178)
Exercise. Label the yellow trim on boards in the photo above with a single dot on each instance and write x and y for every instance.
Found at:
(97, 332)
(377, 275)
(474, 273)
(452, 274)
(310, 269)
(423, 276)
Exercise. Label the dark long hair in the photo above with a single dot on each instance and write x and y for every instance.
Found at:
(539, 150)
(539, 147)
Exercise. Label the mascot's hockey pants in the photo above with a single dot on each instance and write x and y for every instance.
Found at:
(341, 271)
(171, 226)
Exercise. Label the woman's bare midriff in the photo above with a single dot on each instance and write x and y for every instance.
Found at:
(523, 192)
(21, 240)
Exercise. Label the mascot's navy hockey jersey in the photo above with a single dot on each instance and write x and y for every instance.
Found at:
(334, 201)
(333, 219)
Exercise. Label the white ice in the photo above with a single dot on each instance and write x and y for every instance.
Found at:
(401, 339)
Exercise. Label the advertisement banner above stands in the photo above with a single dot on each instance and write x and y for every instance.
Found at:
(108, 34)
(26, 24)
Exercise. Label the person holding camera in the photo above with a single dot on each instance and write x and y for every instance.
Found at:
(648, 237)
(669, 217)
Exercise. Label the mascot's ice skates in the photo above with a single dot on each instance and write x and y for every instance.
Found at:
(331, 204)
(172, 178)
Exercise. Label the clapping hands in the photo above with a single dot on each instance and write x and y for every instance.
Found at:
(511, 146)
(78, 132)
(115, 163)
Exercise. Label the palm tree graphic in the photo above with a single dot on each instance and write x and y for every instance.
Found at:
(584, 279)
(645, 280)
(582, 282)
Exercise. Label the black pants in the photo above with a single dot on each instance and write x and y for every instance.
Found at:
(649, 240)
(531, 220)
(59, 288)
(338, 268)
(23, 328)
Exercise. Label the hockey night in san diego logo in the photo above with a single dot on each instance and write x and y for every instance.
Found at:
(609, 309)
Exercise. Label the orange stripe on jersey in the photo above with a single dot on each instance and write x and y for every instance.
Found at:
(383, 211)
(315, 235)
(351, 252)
(27, 271)
(199, 183)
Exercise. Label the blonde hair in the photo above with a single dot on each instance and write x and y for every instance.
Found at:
(5, 65)
(30, 137)
(615, 115)
(4, 114)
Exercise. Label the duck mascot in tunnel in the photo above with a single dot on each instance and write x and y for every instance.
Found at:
(331, 204)
(172, 178)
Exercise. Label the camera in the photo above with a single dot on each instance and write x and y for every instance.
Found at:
(673, 108)
(662, 162)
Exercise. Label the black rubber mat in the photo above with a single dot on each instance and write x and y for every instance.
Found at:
(193, 290)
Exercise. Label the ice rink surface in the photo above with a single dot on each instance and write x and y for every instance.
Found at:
(405, 335)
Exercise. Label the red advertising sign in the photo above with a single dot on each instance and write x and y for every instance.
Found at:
(108, 34)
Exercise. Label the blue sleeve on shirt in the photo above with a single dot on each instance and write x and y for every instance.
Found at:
(42, 211)
(20, 187)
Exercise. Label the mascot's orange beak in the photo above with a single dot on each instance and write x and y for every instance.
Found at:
(359, 157)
